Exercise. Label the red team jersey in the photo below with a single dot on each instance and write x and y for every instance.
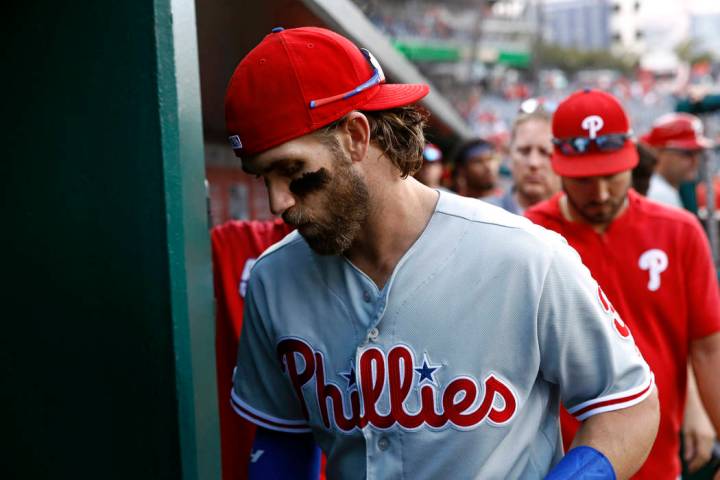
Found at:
(654, 264)
(235, 246)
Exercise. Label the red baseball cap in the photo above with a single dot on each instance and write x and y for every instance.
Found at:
(677, 130)
(592, 116)
(301, 79)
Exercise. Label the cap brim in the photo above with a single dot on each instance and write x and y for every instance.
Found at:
(396, 95)
(596, 163)
(698, 143)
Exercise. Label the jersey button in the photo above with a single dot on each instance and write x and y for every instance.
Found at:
(373, 334)
(366, 296)
(383, 443)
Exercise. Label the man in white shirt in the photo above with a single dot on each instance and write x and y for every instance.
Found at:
(678, 140)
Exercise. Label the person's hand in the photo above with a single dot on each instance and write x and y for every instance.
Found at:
(698, 438)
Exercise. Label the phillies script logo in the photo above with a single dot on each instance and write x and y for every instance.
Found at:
(608, 308)
(461, 403)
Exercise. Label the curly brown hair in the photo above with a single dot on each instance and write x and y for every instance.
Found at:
(398, 132)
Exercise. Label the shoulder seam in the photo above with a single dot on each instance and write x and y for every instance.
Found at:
(277, 247)
(474, 220)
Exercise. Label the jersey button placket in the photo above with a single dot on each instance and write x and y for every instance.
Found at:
(373, 334)
(367, 297)
(383, 444)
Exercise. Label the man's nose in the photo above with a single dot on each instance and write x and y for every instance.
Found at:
(602, 191)
(280, 197)
(535, 158)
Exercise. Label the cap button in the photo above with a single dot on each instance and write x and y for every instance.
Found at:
(277, 29)
(586, 90)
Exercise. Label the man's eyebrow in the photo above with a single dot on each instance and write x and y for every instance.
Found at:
(280, 163)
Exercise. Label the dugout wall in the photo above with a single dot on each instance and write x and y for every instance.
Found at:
(107, 347)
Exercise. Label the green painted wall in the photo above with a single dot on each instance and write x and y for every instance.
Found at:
(106, 353)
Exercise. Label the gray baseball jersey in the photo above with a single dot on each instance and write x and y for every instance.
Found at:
(454, 369)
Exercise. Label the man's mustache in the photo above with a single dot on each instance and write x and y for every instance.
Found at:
(295, 217)
(599, 204)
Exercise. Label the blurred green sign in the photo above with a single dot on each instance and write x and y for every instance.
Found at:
(427, 52)
(514, 59)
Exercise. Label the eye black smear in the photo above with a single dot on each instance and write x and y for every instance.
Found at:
(310, 182)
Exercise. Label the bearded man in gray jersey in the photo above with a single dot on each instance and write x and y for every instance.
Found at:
(381, 329)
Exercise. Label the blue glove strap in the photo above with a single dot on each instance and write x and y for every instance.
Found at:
(278, 456)
(583, 463)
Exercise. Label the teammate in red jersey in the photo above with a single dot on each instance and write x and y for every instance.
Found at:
(652, 261)
(235, 247)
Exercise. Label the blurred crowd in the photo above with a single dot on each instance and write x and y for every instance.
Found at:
(490, 96)
(509, 164)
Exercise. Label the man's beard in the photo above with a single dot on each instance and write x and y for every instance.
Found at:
(480, 184)
(344, 209)
(598, 217)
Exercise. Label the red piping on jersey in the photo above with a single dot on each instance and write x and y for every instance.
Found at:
(245, 412)
(613, 401)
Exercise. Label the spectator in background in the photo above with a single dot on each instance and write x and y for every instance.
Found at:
(477, 167)
(678, 143)
(673, 148)
(530, 151)
(642, 173)
(431, 172)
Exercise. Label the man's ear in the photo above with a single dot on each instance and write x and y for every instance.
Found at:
(355, 136)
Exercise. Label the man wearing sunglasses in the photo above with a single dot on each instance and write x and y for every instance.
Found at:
(652, 261)
(382, 329)
(678, 142)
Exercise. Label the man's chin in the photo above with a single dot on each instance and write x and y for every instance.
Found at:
(327, 250)
(305, 229)
(601, 217)
(325, 246)
(534, 191)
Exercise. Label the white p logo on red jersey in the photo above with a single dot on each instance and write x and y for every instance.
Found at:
(593, 124)
(655, 261)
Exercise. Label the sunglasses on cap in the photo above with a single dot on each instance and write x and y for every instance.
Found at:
(377, 77)
(532, 105)
(611, 142)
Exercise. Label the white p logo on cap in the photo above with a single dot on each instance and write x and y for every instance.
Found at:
(593, 124)
(235, 142)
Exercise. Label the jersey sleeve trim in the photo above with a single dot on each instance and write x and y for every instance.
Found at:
(267, 421)
(616, 401)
